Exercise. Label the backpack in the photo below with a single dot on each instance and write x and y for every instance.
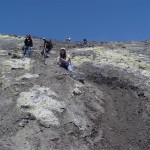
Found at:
(49, 44)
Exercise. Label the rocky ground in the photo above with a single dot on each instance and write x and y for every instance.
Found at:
(43, 108)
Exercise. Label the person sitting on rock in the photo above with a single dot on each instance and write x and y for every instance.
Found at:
(48, 45)
(64, 61)
(28, 44)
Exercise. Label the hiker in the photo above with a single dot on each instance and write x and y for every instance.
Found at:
(68, 38)
(64, 61)
(28, 44)
(84, 42)
(47, 45)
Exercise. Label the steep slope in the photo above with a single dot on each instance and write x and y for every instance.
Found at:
(43, 108)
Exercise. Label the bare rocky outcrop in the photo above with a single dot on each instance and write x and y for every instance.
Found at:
(44, 108)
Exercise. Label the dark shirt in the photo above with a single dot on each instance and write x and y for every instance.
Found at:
(48, 44)
(28, 42)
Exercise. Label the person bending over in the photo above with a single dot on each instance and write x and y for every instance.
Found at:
(47, 45)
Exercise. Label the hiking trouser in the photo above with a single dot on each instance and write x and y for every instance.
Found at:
(69, 68)
(27, 48)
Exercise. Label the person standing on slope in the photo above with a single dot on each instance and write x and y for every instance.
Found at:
(85, 42)
(28, 44)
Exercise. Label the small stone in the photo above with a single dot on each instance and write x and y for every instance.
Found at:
(55, 139)
(81, 80)
(9, 53)
(25, 116)
(23, 122)
(15, 56)
(1, 84)
(76, 91)
(25, 79)
(32, 117)
(16, 93)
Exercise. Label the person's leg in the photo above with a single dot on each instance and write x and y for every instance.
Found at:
(24, 51)
(29, 51)
(42, 52)
(70, 68)
(63, 66)
(47, 51)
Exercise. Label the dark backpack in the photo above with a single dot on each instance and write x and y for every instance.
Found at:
(28, 42)
(49, 44)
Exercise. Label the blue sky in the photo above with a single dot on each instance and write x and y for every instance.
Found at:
(101, 20)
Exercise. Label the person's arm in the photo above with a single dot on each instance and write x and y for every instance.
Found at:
(44, 44)
(58, 60)
(63, 61)
(69, 60)
(25, 41)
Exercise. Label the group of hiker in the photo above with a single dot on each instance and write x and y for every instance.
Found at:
(63, 61)
(68, 39)
(28, 44)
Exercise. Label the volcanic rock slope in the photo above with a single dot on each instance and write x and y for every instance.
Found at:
(43, 108)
